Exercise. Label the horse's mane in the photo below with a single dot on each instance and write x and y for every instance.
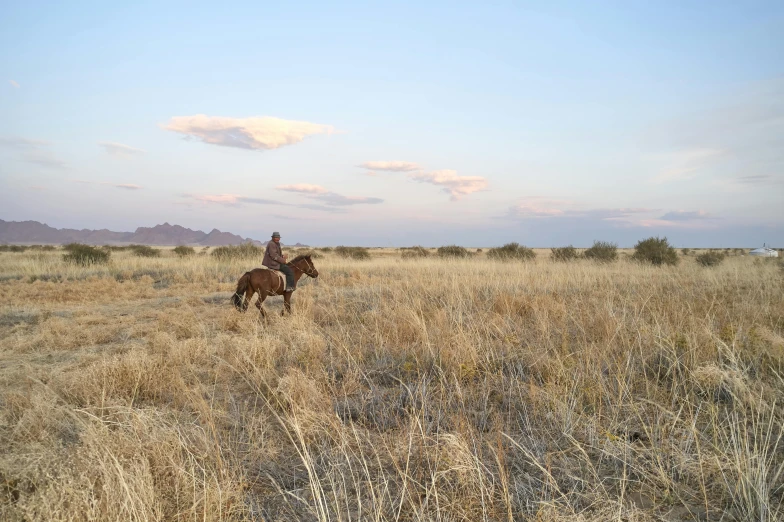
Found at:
(299, 258)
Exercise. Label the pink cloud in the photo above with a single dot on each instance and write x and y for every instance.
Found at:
(454, 185)
(390, 166)
(255, 133)
(303, 188)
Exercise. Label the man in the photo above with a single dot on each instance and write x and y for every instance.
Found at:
(274, 258)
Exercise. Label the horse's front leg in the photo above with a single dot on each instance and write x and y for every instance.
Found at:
(286, 303)
(259, 302)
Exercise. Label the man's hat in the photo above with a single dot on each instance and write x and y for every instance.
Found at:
(276, 234)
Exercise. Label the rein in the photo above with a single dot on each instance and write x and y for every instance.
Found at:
(309, 265)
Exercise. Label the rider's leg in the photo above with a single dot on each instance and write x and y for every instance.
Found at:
(290, 284)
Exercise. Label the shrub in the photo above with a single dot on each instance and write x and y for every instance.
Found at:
(564, 254)
(184, 251)
(685, 251)
(602, 251)
(352, 252)
(453, 251)
(478, 250)
(511, 252)
(145, 251)
(312, 253)
(326, 250)
(415, 252)
(710, 258)
(243, 251)
(655, 250)
(12, 248)
(85, 255)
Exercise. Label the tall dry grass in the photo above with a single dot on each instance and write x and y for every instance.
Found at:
(399, 390)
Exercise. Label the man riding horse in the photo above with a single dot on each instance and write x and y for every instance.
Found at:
(274, 258)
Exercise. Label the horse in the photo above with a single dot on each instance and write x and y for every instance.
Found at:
(267, 283)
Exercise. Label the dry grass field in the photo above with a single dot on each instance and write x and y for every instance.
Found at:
(398, 390)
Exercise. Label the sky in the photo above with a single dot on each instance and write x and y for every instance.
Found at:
(402, 123)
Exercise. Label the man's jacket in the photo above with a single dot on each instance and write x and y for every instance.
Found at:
(273, 256)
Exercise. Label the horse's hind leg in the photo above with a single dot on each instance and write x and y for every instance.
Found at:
(248, 297)
(286, 304)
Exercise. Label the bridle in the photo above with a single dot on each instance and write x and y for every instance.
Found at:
(309, 271)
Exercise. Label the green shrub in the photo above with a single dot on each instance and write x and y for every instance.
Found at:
(86, 255)
(184, 251)
(453, 251)
(602, 251)
(326, 250)
(145, 251)
(352, 252)
(710, 258)
(685, 251)
(415, 252)
(512, 252)
(243, 251)
(655, 250)
(564, 254)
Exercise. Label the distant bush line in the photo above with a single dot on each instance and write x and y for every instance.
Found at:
(359, 253)
(243, 251)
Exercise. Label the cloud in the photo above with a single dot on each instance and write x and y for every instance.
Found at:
(13, 83)
(118, 149)
(456, 186)
(542, 208)
(303, 188)
(328, 198)
(331, 198)
(235, 200)
(126, 186)
(753, 180)
(684, 215)
(685, 164)
(390, 166)
(256, 133)
(37, 152)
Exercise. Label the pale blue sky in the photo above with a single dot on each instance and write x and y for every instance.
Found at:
(546, 124)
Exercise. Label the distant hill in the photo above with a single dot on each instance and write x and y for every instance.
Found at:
(166, 234)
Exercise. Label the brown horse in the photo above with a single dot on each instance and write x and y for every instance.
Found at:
(267, 283)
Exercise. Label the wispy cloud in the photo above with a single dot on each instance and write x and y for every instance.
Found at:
(303, 188)
(256, 133)
(120, 150)
(235, 200)
(37, 152)
(685, 164)
(754, 180)
(331, 198)
(542, 208)
(126, 186)
(13, 83)
(390, 166)
(322, 194)
(454, 185)
(686, 215)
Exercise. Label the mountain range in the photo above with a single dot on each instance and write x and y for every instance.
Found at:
(165, 234)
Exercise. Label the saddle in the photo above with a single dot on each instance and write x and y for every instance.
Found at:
(280, 274)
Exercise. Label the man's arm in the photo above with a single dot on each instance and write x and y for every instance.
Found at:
(276, 253)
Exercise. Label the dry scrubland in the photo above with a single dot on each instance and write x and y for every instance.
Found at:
(398, 390)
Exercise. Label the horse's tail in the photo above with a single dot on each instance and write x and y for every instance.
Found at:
(242, 286)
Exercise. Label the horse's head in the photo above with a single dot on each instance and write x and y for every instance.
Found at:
(305, 265)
